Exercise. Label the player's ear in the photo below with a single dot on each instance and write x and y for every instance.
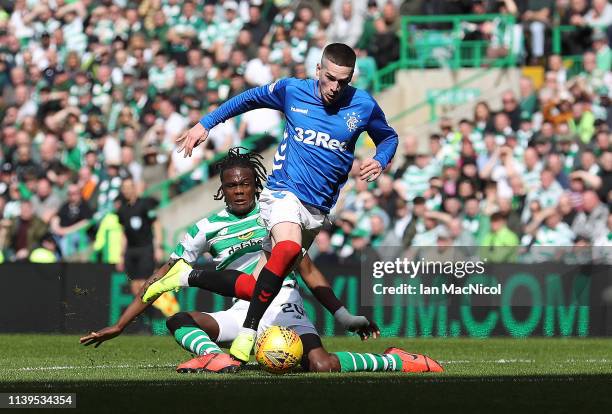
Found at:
(318, 72)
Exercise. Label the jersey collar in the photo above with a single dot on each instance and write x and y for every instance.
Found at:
(254, 210)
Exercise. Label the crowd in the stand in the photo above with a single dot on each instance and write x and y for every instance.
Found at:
(93, 91)
(530, 181)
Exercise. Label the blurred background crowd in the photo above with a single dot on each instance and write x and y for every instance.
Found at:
(95, 91)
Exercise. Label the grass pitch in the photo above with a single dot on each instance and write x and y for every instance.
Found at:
(136, 374)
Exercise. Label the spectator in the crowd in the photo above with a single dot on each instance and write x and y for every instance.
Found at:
(401, 219)
(386, 195)
(340, 236)
(72, 216)
(360, 249)
(410, 147)
(418, 222)
(500, 243)
(415, 180)
(592, 78)
(385, 44)
(603, 181)
(263, 121)
(45, 203)
(548, 192)
(347, 26)
(528, 99)
(22, 233)
(318, 42)
(482, 117)
(258, 71)
(537, 16)
(566, 209)
(591, 221)
(325, 253)
(557, 72)
(173, 122)
(600, 14)
(575, 42)
(46, 251)
(512, 109)
(555, 164)
(603, 53)
(133, 167)
(256, 25)
(602, 251)
(547, 237)
(109, 187)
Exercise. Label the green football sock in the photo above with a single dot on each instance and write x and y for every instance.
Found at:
(195, 340)
(354, 362)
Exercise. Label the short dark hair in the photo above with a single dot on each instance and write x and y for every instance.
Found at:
(340, 54)
(497, 216)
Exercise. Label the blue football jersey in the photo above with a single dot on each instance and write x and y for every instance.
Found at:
(317, 150)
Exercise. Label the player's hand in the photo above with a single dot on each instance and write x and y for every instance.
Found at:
(100, 336)
(191, 139)
(370, 170)
(363, 327)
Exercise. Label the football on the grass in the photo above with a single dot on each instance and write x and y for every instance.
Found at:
(278, 349)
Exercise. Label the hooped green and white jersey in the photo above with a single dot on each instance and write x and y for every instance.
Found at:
(233, 242)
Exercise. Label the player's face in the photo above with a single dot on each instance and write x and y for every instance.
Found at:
(238, 186)
(333, 80)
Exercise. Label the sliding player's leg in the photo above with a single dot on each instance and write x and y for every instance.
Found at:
(196, 333)
(228, 282)
(317, 359)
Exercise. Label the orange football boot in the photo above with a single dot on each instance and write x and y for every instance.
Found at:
(415, 362)
(221, 363)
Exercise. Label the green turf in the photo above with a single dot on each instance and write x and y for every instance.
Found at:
(136, 374)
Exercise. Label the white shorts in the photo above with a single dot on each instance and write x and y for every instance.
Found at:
(283, 206)
(287, 309)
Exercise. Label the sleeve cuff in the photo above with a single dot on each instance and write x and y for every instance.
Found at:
(205, 122)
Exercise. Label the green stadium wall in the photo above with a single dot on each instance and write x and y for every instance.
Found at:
(76, 298)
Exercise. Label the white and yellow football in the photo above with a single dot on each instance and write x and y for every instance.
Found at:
(278, 349)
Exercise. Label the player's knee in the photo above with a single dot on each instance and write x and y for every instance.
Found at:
(328, 363)
(284, 255)
(244, 286)
(288, 249)
(179, 320)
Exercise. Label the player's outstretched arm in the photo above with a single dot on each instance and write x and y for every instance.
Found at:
(132, 311)
(322, 291)
(269, 96)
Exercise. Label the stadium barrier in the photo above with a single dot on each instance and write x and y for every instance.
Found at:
(75, 298)
(443, 42)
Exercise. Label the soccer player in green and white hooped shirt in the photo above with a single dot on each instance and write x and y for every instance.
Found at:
(234, 237)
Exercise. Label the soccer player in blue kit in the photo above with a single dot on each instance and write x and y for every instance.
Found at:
(324, 119)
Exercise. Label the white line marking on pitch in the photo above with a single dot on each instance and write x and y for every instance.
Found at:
(520, 361)
(68, 367)
(150, 366)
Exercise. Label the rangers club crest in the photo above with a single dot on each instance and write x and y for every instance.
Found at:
(352, 121)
